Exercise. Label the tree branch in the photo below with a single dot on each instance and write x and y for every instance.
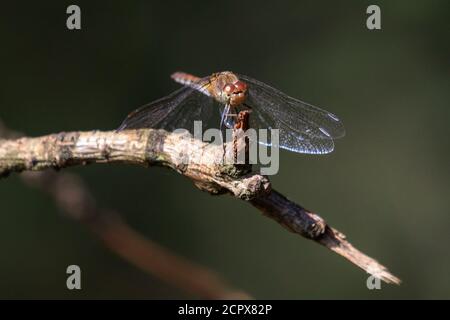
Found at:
(73, 198)
(148, 147)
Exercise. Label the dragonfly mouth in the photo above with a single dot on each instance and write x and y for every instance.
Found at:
(237, 98)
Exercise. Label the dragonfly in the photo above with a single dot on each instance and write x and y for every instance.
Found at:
(216, 100)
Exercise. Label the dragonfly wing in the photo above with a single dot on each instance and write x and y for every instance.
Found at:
(178, 110)
(304, 128)
(295, 135)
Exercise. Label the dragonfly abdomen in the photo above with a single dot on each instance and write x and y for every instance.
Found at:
(192, 81)
(184, 78)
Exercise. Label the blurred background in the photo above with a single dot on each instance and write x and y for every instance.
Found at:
(386, 185)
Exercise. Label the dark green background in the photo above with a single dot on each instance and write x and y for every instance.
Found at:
(386, 185)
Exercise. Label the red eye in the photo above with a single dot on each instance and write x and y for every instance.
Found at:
(240, 86)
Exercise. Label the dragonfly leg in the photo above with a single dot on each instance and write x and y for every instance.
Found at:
(224, 115)
(235, 118)
(223, 121)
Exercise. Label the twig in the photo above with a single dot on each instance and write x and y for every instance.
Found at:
(149, 147)
(74, 199)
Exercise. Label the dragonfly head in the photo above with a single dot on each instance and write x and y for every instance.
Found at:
(235, 93)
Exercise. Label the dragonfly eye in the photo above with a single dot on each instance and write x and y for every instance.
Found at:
(229, 89)
(240, 87)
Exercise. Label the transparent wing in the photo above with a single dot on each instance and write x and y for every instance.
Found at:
(178, 110)
(304, 128)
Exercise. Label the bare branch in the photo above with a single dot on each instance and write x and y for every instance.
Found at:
(149, 147)
(73, 198)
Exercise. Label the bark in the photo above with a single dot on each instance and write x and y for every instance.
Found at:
(201, 162)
